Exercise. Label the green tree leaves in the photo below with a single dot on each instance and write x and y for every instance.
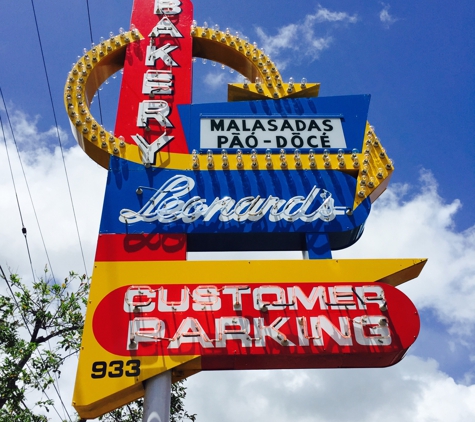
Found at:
(40, 327)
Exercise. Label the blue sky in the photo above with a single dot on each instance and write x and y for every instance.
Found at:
(416, 59)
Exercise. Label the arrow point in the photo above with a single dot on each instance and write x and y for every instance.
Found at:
(250, 92)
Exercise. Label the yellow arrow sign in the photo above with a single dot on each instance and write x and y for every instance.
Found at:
(106, 381)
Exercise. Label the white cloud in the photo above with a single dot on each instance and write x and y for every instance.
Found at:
(27, 134)
(300, 37)
(414, 390)
(415, 222)
(385, 17)
(325, 15)
(214, 80)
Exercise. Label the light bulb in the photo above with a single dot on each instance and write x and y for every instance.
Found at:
(224, 158)
(297, 158)
(195, 159)
(283, 159)
(240, 163)
(254, 158)
(268, 158)
(362, 191)
(311, 158)
(210, 159)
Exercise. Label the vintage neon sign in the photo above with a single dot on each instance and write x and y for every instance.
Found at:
(270, 320)
(275, 162)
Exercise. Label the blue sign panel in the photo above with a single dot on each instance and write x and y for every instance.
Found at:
(155, 200)
(330, 123)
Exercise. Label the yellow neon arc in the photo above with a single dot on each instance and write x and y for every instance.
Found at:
(371, 167)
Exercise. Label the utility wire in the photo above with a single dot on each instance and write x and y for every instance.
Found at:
(59, 136)
(23, 229)
(64, 165)
(92, 41)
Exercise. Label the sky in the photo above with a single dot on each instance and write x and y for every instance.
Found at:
(415, 59)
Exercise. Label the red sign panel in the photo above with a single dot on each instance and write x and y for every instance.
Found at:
(157, 77)
(260, 326)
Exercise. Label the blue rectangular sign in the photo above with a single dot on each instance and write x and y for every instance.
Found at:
(331, 123)
(140, 200)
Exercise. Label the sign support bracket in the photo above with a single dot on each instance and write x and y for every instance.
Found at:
(318, 246)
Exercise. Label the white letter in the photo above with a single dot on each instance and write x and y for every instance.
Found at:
(342, 336)
(162, 53)
(372, 331)
(177, 186)
(145, 330)
(151, 109)
(342, 297)
(259, 303)
(183, 305)
(240, 331)
(196, 335)
(263, 331)
(206, 298)
(139, 299)
(376, 295)
(167, 7)
(193, 209)
(165, 27)
(317, 293)
(239, 291)
(157, 82)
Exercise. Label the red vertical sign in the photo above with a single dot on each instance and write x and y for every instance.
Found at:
(157, 77)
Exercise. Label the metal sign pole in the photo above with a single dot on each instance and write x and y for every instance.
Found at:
(158, 398)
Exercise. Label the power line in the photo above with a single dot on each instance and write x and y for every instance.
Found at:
(24, 230)
(58, 136)
(92, 41)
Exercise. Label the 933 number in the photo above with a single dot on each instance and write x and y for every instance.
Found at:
(115, 369)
